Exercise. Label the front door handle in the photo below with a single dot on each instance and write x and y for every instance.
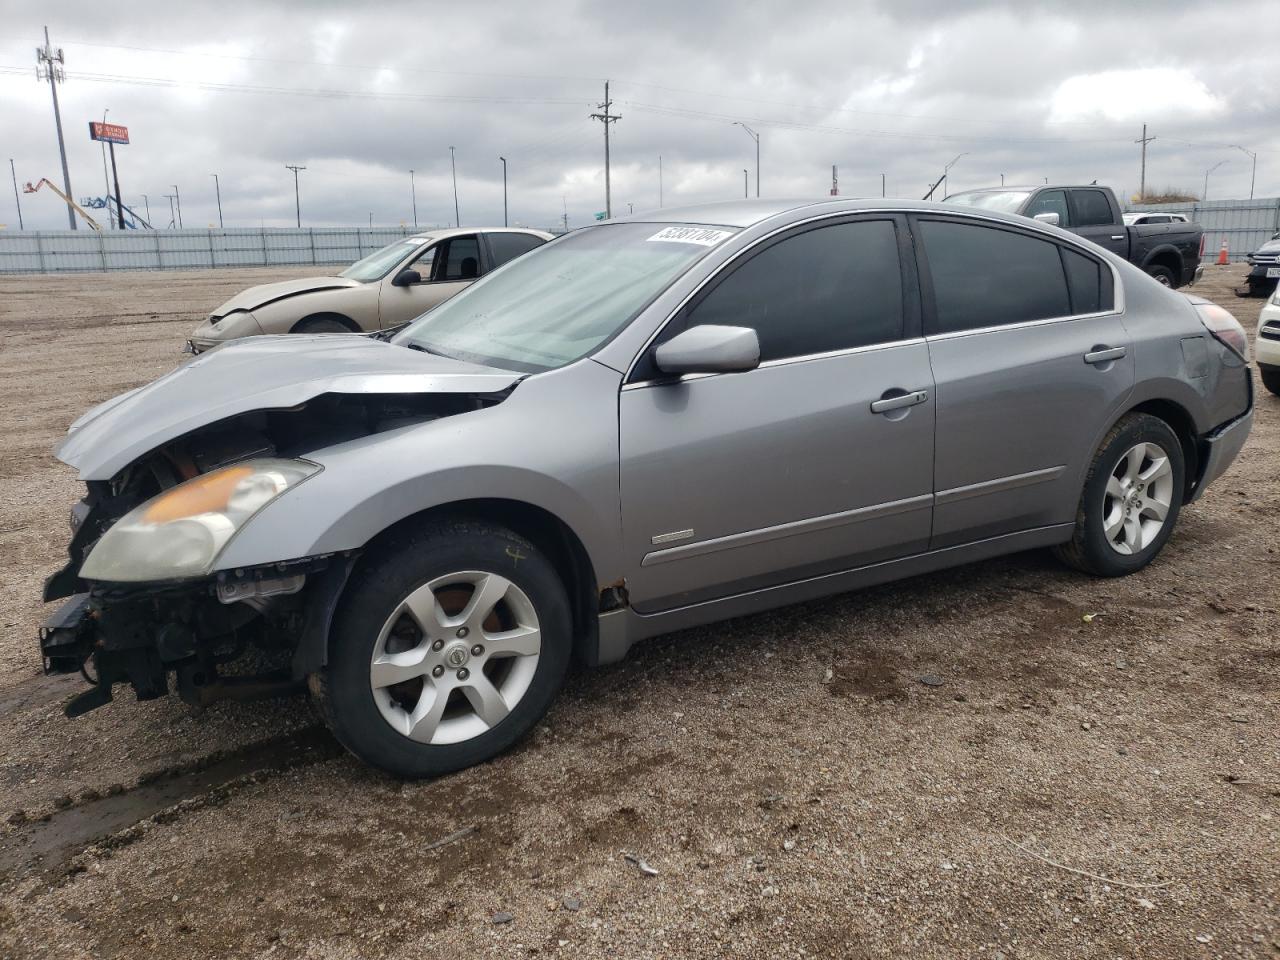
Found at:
(1117, 236)
(897, 403)
(1104, 354)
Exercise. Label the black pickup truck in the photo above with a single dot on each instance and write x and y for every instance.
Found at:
(1170, 252)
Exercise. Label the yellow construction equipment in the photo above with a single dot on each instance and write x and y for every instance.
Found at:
(44, 181)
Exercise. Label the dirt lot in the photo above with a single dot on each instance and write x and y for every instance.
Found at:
(799, 790)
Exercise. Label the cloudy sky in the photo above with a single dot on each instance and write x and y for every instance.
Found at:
(362, 94)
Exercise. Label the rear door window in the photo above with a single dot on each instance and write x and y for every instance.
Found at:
(985, 276)
(508, 246)
(1092, 208)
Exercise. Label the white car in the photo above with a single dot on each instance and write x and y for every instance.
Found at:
(1137, 217)
(1268, 343)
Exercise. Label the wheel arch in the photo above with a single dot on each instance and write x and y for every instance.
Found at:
(1183, 425)
(540, 527)
(1167, 256)
(341, 318)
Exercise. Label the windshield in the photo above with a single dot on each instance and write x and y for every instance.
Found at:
(561, 301)
(379, 263)
(1004, 201)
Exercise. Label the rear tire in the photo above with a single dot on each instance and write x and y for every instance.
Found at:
(421, 702)
(1271, 380)
(1131, 499)
(1162, 275)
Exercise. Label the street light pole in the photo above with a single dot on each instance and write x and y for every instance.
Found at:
(1205, 194)
(178, 198)
(1253, 173)
(217, 187)
(146, 202)
(504, 190)
(756, 137)
(453, 165)
(413, 193)
(944, 173)
(745, 189)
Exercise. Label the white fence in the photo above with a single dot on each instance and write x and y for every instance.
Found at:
(67, 251)
(1244, 224)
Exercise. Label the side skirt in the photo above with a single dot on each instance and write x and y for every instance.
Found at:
(619, 629)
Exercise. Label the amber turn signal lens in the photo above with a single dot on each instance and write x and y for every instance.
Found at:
(204, 494)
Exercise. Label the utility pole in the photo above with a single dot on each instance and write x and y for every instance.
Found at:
(756, 137)
(1002, 179)
(659, 181)
(49, 65)
(457, 218)
(565, 203)
(606, 118)
(413, 193)
(1142, 174)
(631, 208)
(217, 187)
(13, 173)
(297, 202)
(178, 199)
(882, 185)
(835, 181)
(504, 190)
(1254, 172)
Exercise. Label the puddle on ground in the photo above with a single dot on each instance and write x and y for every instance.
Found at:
(46, 845)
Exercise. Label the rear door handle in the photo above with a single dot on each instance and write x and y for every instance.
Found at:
(897, 403)
(1104, 354)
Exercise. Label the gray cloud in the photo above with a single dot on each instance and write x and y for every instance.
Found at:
(895, 87)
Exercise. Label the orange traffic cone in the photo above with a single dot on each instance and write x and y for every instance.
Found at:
(1222, 254)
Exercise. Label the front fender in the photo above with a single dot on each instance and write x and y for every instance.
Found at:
(359, 304)
(552, 444)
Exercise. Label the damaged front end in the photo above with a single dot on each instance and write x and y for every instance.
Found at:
(144, 598)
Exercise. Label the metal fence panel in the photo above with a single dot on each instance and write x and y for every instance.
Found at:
(1244, 224)
(71, 251)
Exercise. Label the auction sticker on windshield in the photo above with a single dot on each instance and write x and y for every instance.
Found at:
(699, 235)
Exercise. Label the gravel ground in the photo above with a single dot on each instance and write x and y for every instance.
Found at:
(1097, 774)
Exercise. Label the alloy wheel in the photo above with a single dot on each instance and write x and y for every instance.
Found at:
(1137, 499)
(455, 657)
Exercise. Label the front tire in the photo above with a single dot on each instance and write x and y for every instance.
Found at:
(1271, 380)
(323, 324)
(1131, 500)
(449, 647)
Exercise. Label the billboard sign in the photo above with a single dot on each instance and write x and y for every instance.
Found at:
(108, 132)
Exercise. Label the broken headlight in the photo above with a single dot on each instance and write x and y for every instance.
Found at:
(181, 532)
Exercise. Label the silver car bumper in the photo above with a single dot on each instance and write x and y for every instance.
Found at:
(1223, 445)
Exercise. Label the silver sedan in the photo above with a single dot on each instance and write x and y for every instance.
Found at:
(641, 426)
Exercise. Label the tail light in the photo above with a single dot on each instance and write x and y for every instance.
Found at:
(1224, 328)
(1201, 253)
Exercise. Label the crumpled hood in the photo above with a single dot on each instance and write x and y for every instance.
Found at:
(258, 373)
(266, 293)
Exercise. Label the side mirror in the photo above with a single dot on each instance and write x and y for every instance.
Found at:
(1048, 217)
(406, 278)
(709, 349)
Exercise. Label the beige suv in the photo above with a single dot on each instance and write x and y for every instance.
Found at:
(385, 289)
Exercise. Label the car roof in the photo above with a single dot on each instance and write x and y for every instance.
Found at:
(445, 232)
(748, 213)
